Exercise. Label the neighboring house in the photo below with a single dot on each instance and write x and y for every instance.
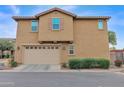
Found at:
(55, 35)
(117, 55)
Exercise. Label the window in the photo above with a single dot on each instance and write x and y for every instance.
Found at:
(71, 50)
(34, 25)
(31, 47)
(52, 47)
(55, 23)
(100, 24)
(56, 47)
(27, 47)
(43, 47)
(39, 47)
(35, 47)
(48, 47)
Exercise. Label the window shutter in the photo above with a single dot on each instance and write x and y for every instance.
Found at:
(50, 24)
(61, 23)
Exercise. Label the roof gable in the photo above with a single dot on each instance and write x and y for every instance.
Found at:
(59, 10)
(55, 9)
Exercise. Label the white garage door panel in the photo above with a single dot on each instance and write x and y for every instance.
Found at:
(42, 56)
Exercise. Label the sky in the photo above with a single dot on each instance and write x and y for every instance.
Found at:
(116, 23)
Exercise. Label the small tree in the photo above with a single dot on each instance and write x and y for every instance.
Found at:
(6, 45)
(112, 38)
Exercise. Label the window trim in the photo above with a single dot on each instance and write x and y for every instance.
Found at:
(34, 31)
(52, 24)
(100, 20)
(71, 49)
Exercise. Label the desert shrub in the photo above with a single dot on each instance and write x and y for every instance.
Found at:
(13, 64)
(64, 65)
(6, 56)
(103, 63)
(75, 63)
(81, 63)
(118, 63)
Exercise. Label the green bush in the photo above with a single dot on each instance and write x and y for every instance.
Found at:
(88, 63)
(6, 56)
(81, 63)
(103, 63)
(13, 64)
(74, 63)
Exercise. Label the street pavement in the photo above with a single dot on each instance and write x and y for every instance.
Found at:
(61, 79)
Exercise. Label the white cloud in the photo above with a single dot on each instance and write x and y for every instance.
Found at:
(7, 31)
(117, 22)
(15, 9)
(4, 15)
(94, 13)
(69, 7)
(44, 8)
(7, 25)
(38, 9)
(113, 22)
(1, 14)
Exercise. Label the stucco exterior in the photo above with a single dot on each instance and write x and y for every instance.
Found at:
(89, 40)
(46, 34)
(82, 32)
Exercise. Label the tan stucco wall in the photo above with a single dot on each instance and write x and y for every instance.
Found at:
(46, 33)
(24, 35)
(88, 40)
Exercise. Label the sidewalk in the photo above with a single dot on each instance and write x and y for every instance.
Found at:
(21, 67)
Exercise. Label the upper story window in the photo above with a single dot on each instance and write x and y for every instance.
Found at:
(100, 24)
(55, 23)
(34, 25)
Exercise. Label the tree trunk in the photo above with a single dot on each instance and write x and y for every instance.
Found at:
(1, 53)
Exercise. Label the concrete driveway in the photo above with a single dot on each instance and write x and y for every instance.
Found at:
(37, 68)
(61, 79)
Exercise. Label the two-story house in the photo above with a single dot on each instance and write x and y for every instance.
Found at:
(56, 35)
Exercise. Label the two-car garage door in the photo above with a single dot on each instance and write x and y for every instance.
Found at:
(41, 55)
